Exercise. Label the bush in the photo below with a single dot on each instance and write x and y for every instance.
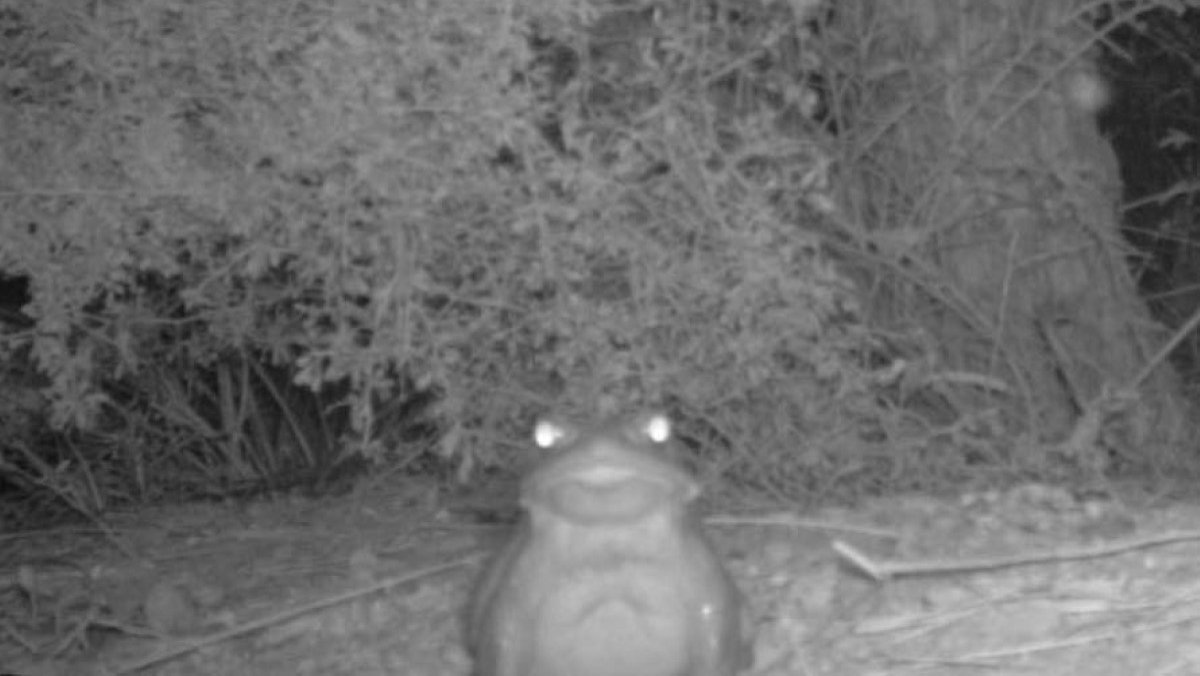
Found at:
(517, 206)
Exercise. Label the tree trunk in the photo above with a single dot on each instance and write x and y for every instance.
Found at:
(1000, 197)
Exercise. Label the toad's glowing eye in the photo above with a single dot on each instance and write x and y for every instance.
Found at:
(547, 434)
(657, 428)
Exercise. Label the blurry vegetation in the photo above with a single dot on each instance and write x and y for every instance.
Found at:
(1154, 125)
(268, 241)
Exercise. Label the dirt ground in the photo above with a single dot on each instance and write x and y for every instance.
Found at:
(1031, 581)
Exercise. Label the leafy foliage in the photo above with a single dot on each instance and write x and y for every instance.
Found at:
(520, 207)
(239, 218)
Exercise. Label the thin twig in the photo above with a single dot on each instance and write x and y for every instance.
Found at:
(887, 570)
(195, 644)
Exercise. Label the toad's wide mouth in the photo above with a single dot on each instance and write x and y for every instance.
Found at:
(628, 500)
(596, 489)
